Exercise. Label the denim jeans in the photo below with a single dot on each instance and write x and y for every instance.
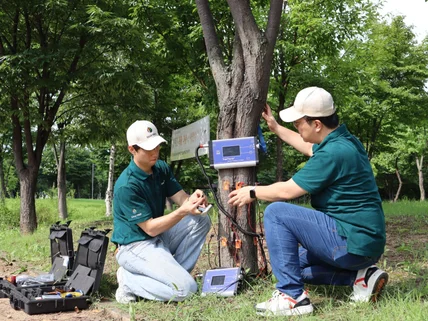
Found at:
(159, 268)
(304, 247)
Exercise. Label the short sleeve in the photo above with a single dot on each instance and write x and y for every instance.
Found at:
(319, 172)
(172, 185)
(134, 207)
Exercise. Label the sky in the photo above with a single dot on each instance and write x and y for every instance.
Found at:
(416, 12)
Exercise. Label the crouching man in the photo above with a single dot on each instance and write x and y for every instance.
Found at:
(156, 252)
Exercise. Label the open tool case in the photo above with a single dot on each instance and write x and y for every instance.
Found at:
(71, 292)
(62, 253)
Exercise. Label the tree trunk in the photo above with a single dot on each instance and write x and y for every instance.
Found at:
(419, 165)
(28, 183)
(242, 88)
(400, 183)
(27, 173)
(236, 247)
(110, 186)
(62, 183)
(3, 189)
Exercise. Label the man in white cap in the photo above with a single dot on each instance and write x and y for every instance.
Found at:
(156, 252)
(343, 236)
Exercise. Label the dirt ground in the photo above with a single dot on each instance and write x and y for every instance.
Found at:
(7, 313)
(406, 240)
(106, 311)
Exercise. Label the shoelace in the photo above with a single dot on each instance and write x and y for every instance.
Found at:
(275, 294)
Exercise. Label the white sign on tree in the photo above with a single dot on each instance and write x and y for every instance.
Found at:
(186, 139)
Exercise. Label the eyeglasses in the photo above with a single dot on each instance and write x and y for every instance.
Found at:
(296, 123)
(306, 119)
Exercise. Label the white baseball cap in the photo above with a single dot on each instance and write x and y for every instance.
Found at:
(144, 134)
(312, 102)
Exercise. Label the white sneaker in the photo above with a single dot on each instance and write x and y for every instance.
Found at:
(283, 304)
(369, 284)
(123, 295)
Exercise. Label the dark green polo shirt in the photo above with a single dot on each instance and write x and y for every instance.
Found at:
(139, 197)
(342, 185)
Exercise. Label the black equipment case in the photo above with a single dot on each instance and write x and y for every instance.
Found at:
(84, 280)
(62, 253)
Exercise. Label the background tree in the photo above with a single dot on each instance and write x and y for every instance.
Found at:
(48, 48)
(178, 76)
(311, 35)
(5, 149)
(382, 92)
(386, 85)
(60, 157)
(42, 44)
(416, 143)
(30, 34)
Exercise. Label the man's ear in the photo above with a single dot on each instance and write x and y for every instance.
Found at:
(318, 125)
(131, 149)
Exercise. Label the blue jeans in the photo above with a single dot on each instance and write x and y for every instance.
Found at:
(159, 268)
(321, 258)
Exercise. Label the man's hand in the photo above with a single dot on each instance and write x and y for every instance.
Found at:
(191, 207)
(197, 195)
(270, 120)
(197, 199)
(240, 197)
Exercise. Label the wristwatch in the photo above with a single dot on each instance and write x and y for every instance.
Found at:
(253, 192)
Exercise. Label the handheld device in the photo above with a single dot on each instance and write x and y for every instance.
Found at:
(222, 282)
(205, 210)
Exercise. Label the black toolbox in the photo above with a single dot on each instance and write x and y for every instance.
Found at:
(74, 294)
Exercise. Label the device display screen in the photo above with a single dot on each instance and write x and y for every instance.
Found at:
(231, 150)
(218, 280)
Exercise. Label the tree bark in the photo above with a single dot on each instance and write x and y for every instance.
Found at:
(110, 186)
(419, 165)
(241, 90)
(62, 183)
(28, 183)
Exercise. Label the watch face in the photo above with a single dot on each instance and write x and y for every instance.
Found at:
(252, 193)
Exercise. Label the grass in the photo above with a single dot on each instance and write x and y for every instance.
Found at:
(405, 259)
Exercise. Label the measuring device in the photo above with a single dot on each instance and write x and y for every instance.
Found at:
(223, 282)
(233, 153)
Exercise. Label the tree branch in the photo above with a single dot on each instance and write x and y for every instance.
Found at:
(17, 136)
(212, 44)
(274, 19)
(244, 21)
